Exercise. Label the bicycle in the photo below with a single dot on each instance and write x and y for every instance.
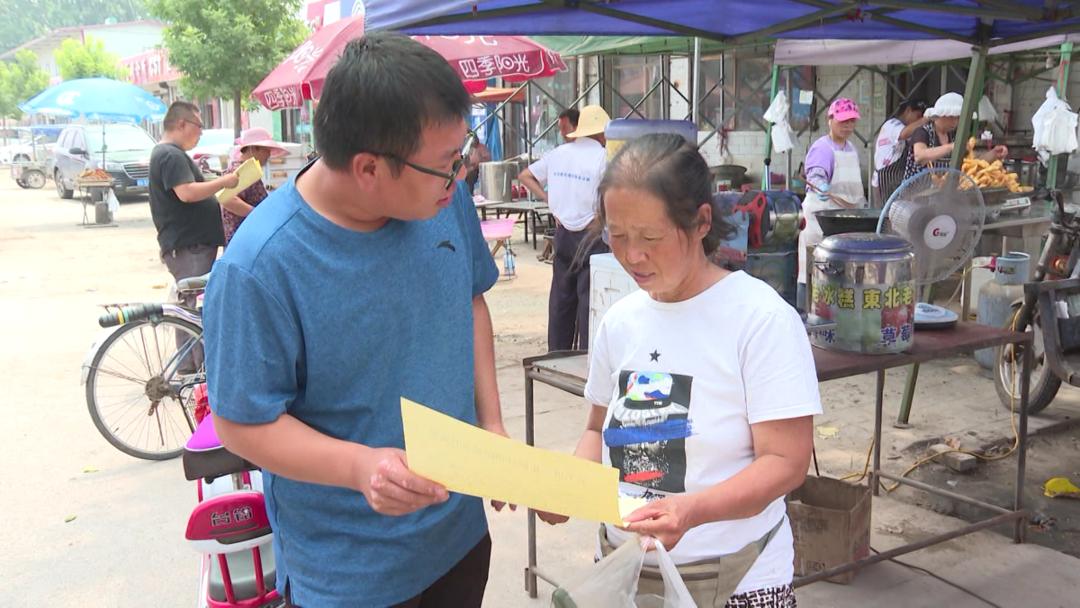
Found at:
(140, 375)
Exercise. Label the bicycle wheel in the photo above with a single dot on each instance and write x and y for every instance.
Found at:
(139, 385)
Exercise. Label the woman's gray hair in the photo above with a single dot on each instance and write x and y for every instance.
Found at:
(671, 169)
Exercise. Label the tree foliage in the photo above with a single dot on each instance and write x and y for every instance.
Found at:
(226, 47)
(87, 59)
(20, 80)
(24, 20)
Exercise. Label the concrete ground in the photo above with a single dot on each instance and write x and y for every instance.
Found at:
(87, 525)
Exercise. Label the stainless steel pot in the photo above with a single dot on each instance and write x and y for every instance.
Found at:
(785, 215)
(495, 180)
(863, 282)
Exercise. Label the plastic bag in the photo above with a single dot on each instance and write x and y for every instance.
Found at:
(612, 582)
(781, 130)
(676, 595)
(986, 111)
(112, 202)
(609, 583)
(1055, 126)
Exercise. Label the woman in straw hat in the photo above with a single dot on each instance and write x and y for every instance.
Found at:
(572, 174)
(253, 143)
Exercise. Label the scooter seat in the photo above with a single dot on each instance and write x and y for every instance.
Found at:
(242, 574)
(205, 457)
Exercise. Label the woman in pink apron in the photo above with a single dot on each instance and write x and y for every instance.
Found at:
(833, 179)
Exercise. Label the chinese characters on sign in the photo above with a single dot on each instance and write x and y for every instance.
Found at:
(489, 66)
(150, 67)
(869, 318)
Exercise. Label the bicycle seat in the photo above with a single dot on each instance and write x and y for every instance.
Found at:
(205, 457)
(193, 283)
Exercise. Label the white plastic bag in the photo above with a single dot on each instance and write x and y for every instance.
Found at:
(987, 112)
(112, 202)
(1054, 126)
(676, 595)
(781, 129)
(609, 583)
(612, 582)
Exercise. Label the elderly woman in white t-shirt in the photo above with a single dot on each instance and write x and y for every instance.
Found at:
(702, 386)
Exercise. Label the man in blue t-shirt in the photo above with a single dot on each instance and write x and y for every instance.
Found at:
(358, 283)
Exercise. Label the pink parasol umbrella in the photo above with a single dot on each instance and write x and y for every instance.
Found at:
(474, 58)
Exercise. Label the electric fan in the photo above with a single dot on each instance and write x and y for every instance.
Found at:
(941, 213)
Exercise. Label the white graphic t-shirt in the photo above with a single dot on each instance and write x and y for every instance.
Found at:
(683, 382)
(572, 174)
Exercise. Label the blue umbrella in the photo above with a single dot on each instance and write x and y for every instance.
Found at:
(96, 99)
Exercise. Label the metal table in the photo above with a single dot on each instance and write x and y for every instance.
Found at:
(568, 370)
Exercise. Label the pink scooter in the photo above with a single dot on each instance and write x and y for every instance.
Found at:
(229, 526)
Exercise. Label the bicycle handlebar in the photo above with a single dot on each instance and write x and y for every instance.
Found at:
(126, 314)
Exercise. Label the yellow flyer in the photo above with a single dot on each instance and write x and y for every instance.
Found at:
(249, 172)
(472, 461)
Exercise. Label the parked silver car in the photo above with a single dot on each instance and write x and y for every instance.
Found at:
(122, 150)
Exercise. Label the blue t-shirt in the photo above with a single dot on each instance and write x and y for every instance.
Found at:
(333, 326)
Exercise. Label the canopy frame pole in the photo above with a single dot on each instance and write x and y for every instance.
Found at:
(766, 177)
(529, 120)
(973, 91)
(1062, 88)
(695, 82)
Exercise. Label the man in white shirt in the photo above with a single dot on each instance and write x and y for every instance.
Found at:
(572, 174)
(890, 149)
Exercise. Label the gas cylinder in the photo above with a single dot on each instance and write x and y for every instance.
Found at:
(997, 296)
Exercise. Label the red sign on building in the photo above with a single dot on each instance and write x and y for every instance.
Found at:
(150, 67)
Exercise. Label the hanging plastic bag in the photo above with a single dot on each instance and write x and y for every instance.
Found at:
(1055, 126)
(613, 582)
(676, 595)
(609, 583)
(112, 202)
(987, 112)
(778, 115)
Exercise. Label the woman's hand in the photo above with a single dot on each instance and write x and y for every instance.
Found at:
(498, 429)
(667, 519)
(1000, 152)
(553, 519)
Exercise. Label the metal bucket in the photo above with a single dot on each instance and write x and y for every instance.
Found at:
(496, 179)
(863, 283)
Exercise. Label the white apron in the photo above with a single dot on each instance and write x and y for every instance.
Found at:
(846, 184)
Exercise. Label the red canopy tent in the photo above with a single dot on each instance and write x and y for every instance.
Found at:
(474, 58)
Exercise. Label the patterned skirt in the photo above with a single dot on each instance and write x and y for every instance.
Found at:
(771, 597)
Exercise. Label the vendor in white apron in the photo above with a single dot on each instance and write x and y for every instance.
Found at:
(833, 179)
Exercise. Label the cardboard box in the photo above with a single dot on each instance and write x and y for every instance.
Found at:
(830, 520)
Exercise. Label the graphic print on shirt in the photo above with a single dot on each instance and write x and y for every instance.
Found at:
(646, 436)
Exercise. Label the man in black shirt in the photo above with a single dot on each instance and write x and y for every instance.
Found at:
(182, 203)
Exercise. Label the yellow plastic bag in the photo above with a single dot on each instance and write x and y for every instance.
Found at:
(1060, 486)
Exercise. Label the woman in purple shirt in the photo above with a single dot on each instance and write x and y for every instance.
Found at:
(833, 179)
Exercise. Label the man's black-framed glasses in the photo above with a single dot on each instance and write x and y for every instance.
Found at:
(459, 162)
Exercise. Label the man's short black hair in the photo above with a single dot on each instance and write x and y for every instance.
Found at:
(380, 95)
(571, 114)
(178, 112)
